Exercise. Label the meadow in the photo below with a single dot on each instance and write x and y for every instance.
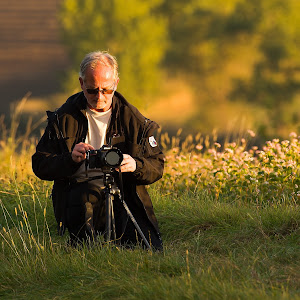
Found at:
(229, 217)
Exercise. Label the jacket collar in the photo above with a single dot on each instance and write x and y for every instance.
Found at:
(81, 102)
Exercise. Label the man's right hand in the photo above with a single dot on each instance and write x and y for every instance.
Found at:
(79, 152)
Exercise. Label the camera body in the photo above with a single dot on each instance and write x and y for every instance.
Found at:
(106, 157)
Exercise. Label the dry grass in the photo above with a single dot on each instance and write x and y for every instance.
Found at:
(16, 148)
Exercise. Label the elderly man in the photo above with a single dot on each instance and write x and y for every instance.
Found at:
(98, 116)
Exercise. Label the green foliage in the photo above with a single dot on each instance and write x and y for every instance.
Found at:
(214, 36)
(206, 30)
(239, 50)
(134, 31)
(275, 78)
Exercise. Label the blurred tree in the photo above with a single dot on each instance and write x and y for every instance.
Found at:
(234, 49)
(134, 31)
(275, 80)
(244, 18)
(196, 31)
(247, 49)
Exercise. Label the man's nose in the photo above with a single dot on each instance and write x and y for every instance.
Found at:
(100, 95)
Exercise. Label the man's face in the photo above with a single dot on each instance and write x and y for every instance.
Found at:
(101, 78)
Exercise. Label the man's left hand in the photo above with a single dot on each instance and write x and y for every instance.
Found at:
(128, 164)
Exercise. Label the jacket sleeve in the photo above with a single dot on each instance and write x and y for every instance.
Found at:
(149, 166)
(51, 161)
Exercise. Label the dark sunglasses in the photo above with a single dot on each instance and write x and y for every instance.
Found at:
(102, 91)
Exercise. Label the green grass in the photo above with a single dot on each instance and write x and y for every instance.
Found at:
(229, 220)
(213, 249)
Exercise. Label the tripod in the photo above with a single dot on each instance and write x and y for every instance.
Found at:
(110, 191)
(110, 220)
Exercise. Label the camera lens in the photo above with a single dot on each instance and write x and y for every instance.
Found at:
(113, 158)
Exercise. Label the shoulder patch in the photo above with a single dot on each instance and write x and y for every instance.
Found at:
(152, 141)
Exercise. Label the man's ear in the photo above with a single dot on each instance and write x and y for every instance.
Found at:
(81, 82)
(117, 82)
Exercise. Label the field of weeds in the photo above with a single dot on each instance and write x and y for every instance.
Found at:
(229, 217)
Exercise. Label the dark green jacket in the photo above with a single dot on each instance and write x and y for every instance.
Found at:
(128, 130)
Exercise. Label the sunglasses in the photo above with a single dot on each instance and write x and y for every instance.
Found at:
(102, 91)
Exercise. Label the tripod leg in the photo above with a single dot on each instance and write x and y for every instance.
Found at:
(136, 225)
(108, 216)
(113, 219)
(121, 195)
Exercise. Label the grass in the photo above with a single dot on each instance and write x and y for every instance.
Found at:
(213, 250)
(218, 243)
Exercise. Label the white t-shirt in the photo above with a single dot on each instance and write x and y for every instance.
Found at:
(97, 122)
(97, 126)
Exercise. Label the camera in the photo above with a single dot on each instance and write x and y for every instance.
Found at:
(105, 157)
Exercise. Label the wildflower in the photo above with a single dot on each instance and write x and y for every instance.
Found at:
(217, 145)
(248, 158)
(229, 150)
(251, 133)
(290, 163)
(285, 143)
(232, 145)
(211, 151)
(199, 147)
(293, 134)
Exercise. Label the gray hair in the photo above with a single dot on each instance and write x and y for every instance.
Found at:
(92, 59)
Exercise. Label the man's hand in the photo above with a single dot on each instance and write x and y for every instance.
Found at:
(128, 164)
(79, 152)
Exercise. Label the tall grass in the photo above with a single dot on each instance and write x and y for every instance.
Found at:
(226, 235)
(16, 143)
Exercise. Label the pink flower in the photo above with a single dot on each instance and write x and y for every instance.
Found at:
(251, 133)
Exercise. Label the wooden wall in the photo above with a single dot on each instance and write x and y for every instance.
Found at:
(31, 54)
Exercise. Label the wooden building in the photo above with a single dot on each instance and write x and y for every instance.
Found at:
(32, 56)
